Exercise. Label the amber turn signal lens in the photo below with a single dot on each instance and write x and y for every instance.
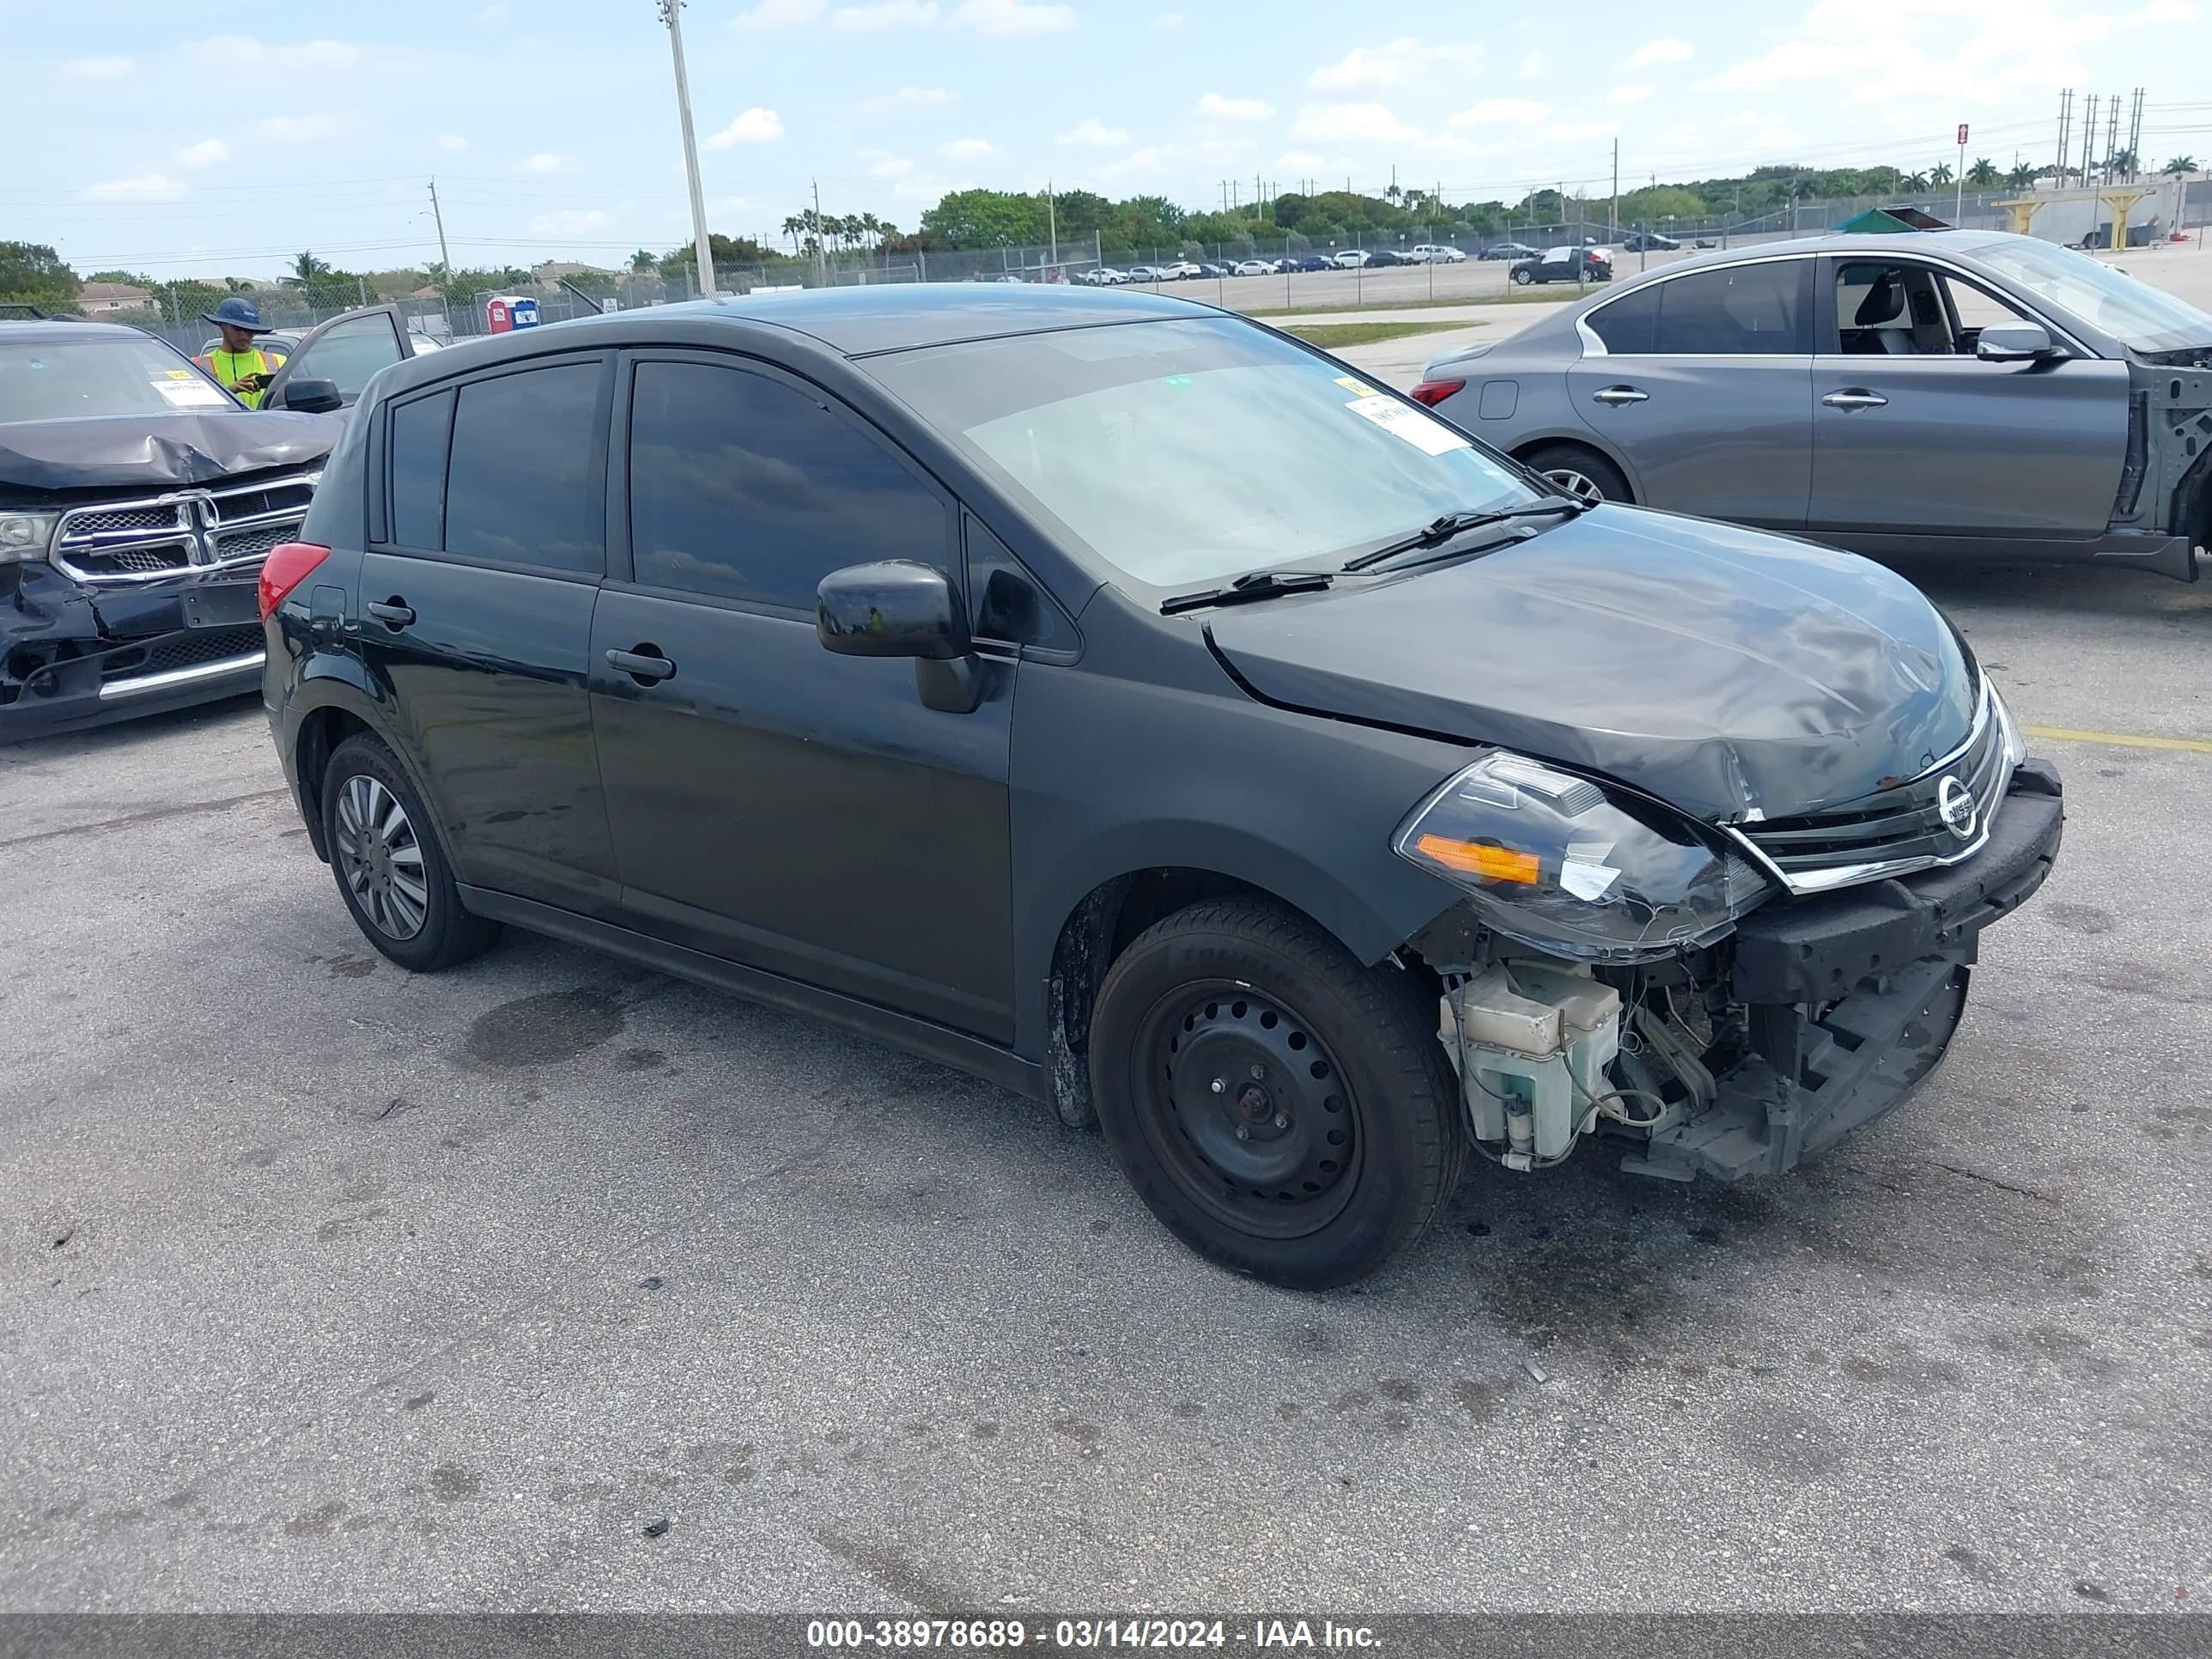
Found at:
(1470, 857)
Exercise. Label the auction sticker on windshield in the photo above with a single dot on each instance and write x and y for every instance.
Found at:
(185, 390)
(1431, 436)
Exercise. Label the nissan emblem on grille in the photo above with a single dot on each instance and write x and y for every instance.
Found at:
(1954, 804)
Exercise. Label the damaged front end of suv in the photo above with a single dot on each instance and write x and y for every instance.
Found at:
(131, 536)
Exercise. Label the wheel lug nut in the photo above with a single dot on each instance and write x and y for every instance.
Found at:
(1218, 1085)
(1282, 1122)
(1244, 1133)
(1259, 1071)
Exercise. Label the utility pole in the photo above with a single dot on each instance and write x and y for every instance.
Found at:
(1613, 229)
(1052, 222)
(2135, 137)
(2089, 141)
(2111, 135)
(821, 241)
(671, 14)
(1959, 199)
(2065, 123)
(445, 260)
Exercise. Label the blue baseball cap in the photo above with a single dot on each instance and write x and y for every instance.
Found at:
(238, 313)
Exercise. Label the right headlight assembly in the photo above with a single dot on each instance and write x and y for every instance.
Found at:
(1555, 861)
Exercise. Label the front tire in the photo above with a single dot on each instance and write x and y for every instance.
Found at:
(1524, 277)
(1284, 1111)
(390, 870)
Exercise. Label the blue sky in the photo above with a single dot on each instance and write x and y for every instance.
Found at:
(188, 138)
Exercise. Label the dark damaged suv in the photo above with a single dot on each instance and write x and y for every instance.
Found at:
(1129, 704)
(137, 499)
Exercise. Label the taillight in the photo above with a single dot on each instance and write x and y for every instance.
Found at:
(287, 566)
(1434, 391)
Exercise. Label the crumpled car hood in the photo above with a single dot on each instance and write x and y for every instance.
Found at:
(1733, 674)
(125, 451)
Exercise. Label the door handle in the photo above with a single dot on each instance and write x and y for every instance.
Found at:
(395, 613)
(1616, 397)
(1855, 398)
(645, 665)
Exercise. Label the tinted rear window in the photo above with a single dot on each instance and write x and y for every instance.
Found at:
(419, 432)
(1738, 311)
(523, 486)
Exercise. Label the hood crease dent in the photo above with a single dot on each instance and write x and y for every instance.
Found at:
(168, 450)
(1732, 674)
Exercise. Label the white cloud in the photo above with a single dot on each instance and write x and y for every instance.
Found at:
(1351, 124)
(97, 69)
(910, 98)
(1011, 17)
(305, 129)
(890, 167)
(492, 14)
(885, 14)
(1501, 112)
(752, 126)
(968, 149)
(1300, 161)
(204, 154)
(1621, 97)
(1532, 65)
(1392, 63)
(543, 160)
(146, 188)
(239, 54)
(451, 141)
(1656, 51)
(1092, 134)
(1214, 107)
(569, 222)
(780, 14)
(1150, 159)
(1169, 20)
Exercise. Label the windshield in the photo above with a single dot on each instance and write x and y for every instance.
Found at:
(2139, 316)
(129, 375)
(1185, 452)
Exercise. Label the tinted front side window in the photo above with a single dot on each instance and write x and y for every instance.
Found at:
(746, 488)
(524, 483)
(1737, 310)
(419, 432)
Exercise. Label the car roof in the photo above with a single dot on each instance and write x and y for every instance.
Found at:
(861, 321)
(15, 330)
(1966, 243)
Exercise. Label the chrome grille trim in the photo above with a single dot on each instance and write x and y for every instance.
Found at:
(1897, 832)
(154, 538)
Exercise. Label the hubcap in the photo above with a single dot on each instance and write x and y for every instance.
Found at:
(1577, 484)
(1250, 1111)
(379, 858)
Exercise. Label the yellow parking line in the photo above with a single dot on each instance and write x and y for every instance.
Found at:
(2120, 740)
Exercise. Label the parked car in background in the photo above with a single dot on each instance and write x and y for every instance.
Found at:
(1149, 274)
(1435, 253)
(1962, 393)
(137, 498)
(1647, 241)
(1564, 264)
(1426, 811)
(1255, 268)
(1212, 269)
(1309, 261)
(1101, 277)
(1388, 256)
(1350, 258)
(1182, 270)
(1508, 251)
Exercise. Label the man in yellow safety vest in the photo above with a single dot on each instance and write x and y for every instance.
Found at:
(238, 363)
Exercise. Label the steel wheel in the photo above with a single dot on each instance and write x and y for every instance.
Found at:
(1249, 1112)
(1580, 485)
(379, 858)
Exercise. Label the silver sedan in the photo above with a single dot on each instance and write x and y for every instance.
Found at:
(1930, 392)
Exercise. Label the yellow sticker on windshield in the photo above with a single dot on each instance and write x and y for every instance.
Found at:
(1358, 387)
(180, 373)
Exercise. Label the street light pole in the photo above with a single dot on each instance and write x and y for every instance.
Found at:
(671, 12)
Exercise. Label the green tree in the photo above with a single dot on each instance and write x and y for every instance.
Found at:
(2022, 176)
(2179, 165)
(642, 260)
(1940, 174)
(135, 279)
(33, 274)
(307, 267)
(1983, 173)
(985, 218)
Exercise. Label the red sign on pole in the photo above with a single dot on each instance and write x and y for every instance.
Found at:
(1962, 135)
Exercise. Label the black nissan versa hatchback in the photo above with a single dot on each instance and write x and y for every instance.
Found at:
(1129, 704)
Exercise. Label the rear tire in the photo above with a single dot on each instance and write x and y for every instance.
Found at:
(1582, 473)
(392, 872)
(1284, 1111)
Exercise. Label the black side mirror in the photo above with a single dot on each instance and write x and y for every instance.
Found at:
(307, 397)
(2014, 342)
(902, 608)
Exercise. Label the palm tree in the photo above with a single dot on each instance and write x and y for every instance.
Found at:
(2179, 164)
(642, 260)
(1983, 173)
(1913, 183)
(2121, 164)
(2022, 176)
(307, 267)
(1940, 173)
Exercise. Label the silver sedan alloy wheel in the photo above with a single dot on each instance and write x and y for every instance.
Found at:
(380, 858)
(1579, 485)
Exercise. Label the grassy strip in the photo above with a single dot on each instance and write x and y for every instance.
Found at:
(1536, 294)
(1331, 336)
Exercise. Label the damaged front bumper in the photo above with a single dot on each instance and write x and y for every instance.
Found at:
(1851, 999)
(74, 655)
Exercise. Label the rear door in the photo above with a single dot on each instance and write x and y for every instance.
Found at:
(773, 804)
(486, 550)
(1916, 440)
(1704, 383)
(347, 351)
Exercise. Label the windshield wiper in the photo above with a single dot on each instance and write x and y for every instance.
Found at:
(1253, 585)
(1437, 532)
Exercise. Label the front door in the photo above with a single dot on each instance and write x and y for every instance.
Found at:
(476, 610)
(1916, 440)
(1706, 387)
(771, 803)
(347, 350)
